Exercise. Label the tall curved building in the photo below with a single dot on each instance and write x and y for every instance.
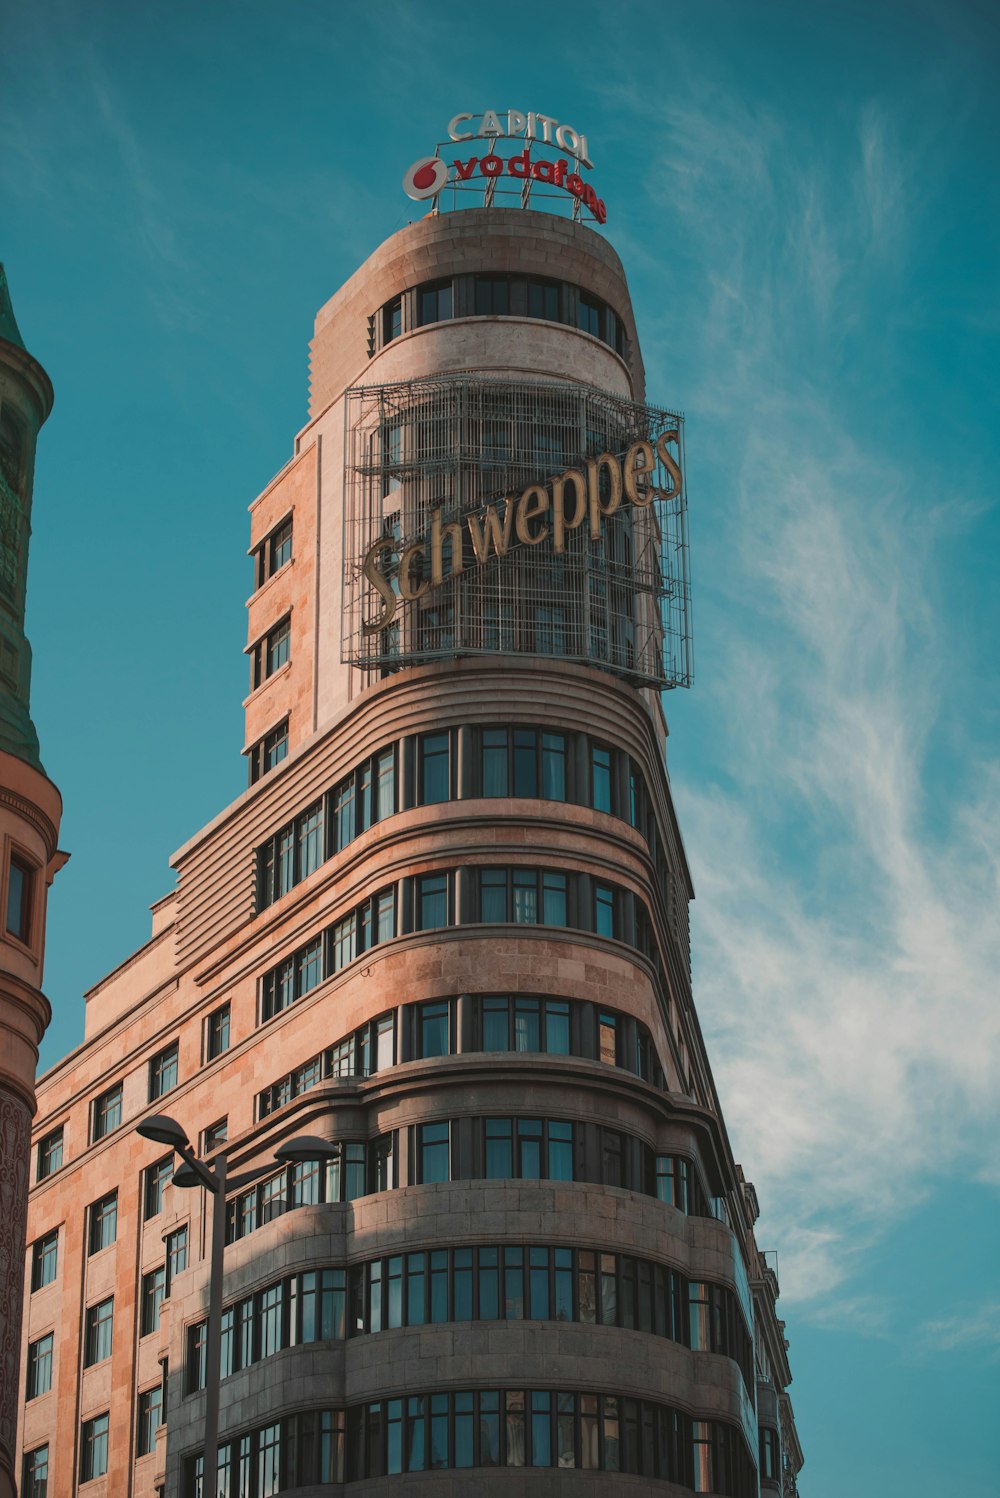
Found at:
(443, 937)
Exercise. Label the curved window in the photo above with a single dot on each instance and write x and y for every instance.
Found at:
(489, 1022)
(467, 1428)
(498, 1282)
(497, 294)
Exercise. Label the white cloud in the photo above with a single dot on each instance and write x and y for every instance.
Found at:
(978, 1328)
(845, 933)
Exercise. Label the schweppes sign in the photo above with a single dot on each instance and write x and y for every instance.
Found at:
(541, 514)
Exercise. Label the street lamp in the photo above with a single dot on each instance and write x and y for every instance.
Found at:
(214, 1180)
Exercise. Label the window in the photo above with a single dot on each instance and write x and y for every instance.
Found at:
(523, 762)
(600, 778)
(177, 1254)
(434, 768)
(528, 1149)
(36, 1473)
(770, 1463)
(273, 552)
(525, 1023)
(364, 797)
(156, 1178)
(19, 881)
(214, 1136)
(589, 316)
(392, 319)
(524, 896)
(163, 1073)
(150, 1419)
(290, 856)
(434, 302)
(103, 1222)
(492, 296)
(431, 902)
(154, 1293)
(107, 1112)
(50, 1154)
(604, 910)
(94, 1448)
(433, 1022)
(269, 751)
(433, 1155)
(44, 1260)
(270, 653)
(543, 300)
(39, 1366)
(97, 1332)
(217, 1033)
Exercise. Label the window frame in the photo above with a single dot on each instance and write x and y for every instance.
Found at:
(39, 1363)
(263, 756)
(98, 1328)
(27, 870)
(160, 1070)
(94, 1447)
(213, 1050)
(100, 1126)
(40, 1254)
(99, 1214)
(44, 1166)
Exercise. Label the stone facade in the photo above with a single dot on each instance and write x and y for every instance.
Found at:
(344, 946)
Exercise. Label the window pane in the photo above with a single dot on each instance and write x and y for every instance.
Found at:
(496, 1024)
(494, 762)
(434, 768)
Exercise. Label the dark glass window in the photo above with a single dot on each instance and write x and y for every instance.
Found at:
(39, 1366)
(523, 762)
(98, 1332)
(434, 302)
(163, 1073)
(433, 1029)
(280, 547)
(431, 901)
(44, 1260)
(107, 1112)
(19, 882)
(177, 1254)
(543, 300)
(271, 652)
(156, 1179)
(600, 778)
(525, 896)
(604, 910)
(217, 1033)
(50, 1154)
(103, 1222)
(269, 751)
(36, 1473)
(150, 1420)
(392, 319)
(525, 1023)
(492, 296)
(434, 1156)
(154, 1292)
(215, 1135)
(434, 768)
(94, 1448)
(589, 316)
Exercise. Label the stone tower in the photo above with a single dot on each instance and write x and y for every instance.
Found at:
(30, 808)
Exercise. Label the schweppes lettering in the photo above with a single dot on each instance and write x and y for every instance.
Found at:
(541, 512)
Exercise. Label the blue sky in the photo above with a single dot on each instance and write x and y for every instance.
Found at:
(805, 199)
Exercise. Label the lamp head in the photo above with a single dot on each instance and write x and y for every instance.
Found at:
(306, 1147)
(184, 1176)
(164, 1130)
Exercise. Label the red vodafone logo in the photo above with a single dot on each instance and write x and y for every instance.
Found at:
(425, 178)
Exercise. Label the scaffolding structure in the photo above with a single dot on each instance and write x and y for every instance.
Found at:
(458, 445)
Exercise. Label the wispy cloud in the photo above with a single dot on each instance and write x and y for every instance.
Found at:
(978, 1328)
(846, 940)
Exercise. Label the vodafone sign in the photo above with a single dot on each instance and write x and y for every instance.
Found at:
(429, 175)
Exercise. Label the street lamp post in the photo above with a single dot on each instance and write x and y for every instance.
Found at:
(216, 1182)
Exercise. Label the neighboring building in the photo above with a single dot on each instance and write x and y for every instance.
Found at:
(30, 809)
(446, 929)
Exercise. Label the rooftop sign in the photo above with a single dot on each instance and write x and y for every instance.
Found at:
(429, 176)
